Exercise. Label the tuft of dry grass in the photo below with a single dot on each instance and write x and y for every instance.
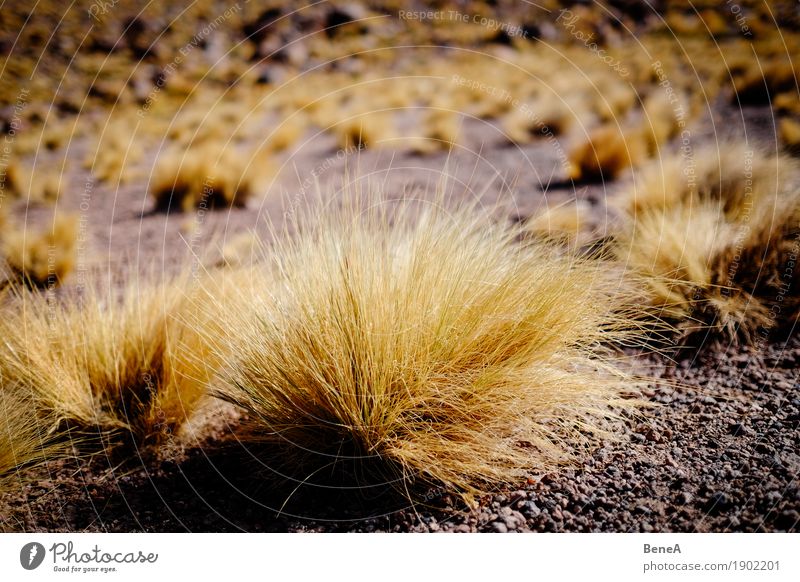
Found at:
(606, 154)
(44, 258)
(717, 250)
(663, 115)
(207, 176)
(42, 186)
(24, 440)
(413, 345)
(790, 135)
(124, 369)
(366, 130)
(551, 116)
(762, 81)
(441, 129)
(287, 133)
(241, 250)
(566, 223)
(735, 174)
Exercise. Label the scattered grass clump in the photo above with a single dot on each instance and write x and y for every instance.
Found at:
(790, 135)
(717, 247)
(567, 223)
(413, 345)
(128, 369)
(42, 258)
(606, 154)
(206, 176)
(367, 130)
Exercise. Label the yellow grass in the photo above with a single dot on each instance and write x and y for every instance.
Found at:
(717, 250)
(42, 258)
(367, 130)
(427, 346)
(565, 223)
(608, 151)
(129, 367)
(207, 176)
(24, 440)
(790, 135)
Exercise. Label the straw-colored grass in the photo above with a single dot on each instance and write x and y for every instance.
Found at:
(207, 176)
(606, 154)
(566, 223)
(735, 174)
(121, 368)
(24, 440)
(365, 130)
(717, 249)
(424, 347)
(790, 135)
(42, 258)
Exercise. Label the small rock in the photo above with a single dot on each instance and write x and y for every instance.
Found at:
(737, 429)
(530, 509)
(717, 502)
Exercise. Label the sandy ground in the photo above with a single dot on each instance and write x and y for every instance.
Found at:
(718, 452)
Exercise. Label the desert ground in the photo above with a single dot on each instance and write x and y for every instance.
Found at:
(647, 150)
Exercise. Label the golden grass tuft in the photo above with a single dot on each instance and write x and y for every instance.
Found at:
(566, 223)
(367, 130)
(124, 369)
(424, 346)
(790, 135)
(24, 440)
(762, 81)
(287, 133)
(735, 174)
(207, 176)
(42, 258)
(606, 154)
(544, 117)
(663, 116)
(241, 250)
(441, 129)
(42, 186)
(717, 250)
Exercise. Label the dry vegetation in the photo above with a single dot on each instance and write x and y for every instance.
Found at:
(41, 258)
(207, 176)
(24, 436)
(406, 345)
(114, 368)
(425, 346)
(719, 243)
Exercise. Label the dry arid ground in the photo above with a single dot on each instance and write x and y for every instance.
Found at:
(491, 101)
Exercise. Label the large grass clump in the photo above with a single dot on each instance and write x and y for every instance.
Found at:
(716, 238)
(413, 345)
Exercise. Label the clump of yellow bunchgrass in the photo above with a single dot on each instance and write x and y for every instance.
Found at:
(607, 152)
(128, 368)
(207, 176)
(423, 346)
(716, 245)
(24, 437)
(42, 258)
